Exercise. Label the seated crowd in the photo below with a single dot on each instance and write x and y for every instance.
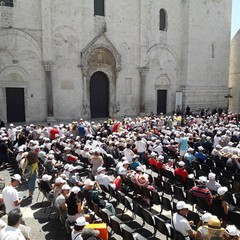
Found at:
(77, 164)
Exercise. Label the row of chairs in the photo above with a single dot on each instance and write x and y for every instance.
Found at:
(157, 221)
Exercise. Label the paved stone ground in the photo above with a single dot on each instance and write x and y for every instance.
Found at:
(51, 229)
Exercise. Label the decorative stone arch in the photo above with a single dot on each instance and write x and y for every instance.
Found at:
(162, 81)
(23, 34)
(17, 77)
(100, 55)
(169, 49)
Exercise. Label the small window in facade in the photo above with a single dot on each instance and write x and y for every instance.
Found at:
(163, 20)
(6, 3)
(99, 7)
(213, 50)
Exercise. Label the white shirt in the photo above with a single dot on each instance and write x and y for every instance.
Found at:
(128, 153)
(141, 146)
(104, 179)
(11, 233)
(10, 195)
(76, 235)
(122, 171)
(181, 224)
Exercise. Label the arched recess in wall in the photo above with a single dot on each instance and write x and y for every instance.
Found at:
(100, 55)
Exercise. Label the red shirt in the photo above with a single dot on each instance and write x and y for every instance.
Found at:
(152, 161)
(159, 165)
(182, 172)
(53, 132)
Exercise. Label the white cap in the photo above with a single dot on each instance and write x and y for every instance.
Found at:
(101, 169)
(190, 150)
(160, 157)
(203, 179)
(67, 148)
(211, 176)
(88, 181)
(181, 164)
(75, 189)
(232, 230)
(138, 168)
(182, 205)
(51, 156)
(59, 180)
(71, 168)
(46, 177)
(153, 154)
(17, 177)
(206, 217)
(234, 156)
(81, 221)
(222, 190)
(200, 148)
(66, 187)
(125, 162)
(66, 166)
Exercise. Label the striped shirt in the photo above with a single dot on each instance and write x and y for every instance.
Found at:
(202, 192)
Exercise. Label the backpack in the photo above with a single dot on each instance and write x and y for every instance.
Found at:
(27, 172)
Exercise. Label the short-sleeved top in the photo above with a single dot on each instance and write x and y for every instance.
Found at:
(10, 195)
(183, 144)
(72, 206)
(11, 233)
(76, 235)
(181, 224)
(60, 200)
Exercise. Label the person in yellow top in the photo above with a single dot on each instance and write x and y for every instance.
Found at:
(31, 162)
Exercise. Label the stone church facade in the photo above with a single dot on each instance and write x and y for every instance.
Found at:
(234, 74)
(65, 59)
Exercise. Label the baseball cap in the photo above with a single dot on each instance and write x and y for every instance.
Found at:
(17, 177)
(75, 189)
(59, 180)
(182, 205)
(125, 162)
(222, 190)
(66, 187)
(181, 164)
(138, 168)
(100, 169)
(203, 179)
(211, 176)
(81, 221)
(46, 177)
(232, 230)
(89, 232)
(206, 217)
(88, 181)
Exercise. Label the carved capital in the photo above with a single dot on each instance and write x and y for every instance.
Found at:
(48, 65)
(143, 70)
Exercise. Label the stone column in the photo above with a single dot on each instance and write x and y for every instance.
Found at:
(143, 72)
(48, 77)
(47, 54)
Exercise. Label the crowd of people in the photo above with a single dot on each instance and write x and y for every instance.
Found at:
(130, 148)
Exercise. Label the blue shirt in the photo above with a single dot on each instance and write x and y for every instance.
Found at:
(183, 144)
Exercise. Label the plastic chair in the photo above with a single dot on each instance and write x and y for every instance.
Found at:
(178, 193)
(166, 205)
(162, 227)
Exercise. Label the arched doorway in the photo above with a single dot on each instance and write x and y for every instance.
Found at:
(99, 95)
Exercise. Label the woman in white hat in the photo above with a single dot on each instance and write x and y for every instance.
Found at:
(202, 229)
(221, 205)
(231, 233)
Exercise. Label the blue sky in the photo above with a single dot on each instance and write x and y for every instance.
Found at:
(235, 17)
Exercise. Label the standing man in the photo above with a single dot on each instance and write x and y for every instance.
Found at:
(183, 145)
(10, 194)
